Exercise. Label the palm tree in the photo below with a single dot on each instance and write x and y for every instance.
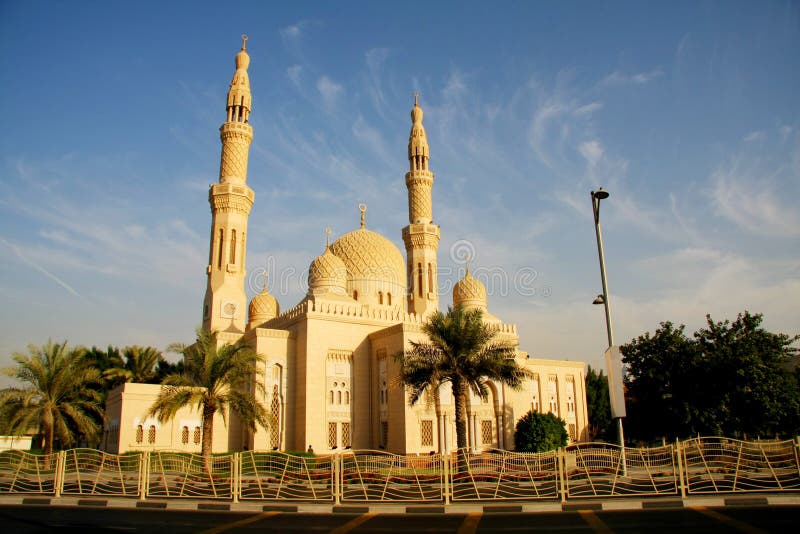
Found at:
(58, 396)
(141, 366)
(464, 351)
(214, 379)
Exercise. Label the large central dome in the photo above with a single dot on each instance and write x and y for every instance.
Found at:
(375, 267)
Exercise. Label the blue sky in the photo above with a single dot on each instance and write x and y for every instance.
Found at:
(687, 112)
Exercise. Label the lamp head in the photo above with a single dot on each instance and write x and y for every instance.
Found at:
(600, 194)
(599, 300)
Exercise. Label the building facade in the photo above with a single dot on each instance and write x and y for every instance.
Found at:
(329, 366)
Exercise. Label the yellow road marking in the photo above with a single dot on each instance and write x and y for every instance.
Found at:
(350, 525)
(240, 523)
(741, 526)
(595, 522)
(470, 524)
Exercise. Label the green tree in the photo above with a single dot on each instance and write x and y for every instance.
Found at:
(598, 406)
(727, 379)
(140, 365)
(461, 350)
(214, 378)
(540, 432)
(57, 396)
(754, 388)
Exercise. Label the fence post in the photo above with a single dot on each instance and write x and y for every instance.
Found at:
(446, 479)
(235, 477)
(681, 480)
(336, 467)
(797, 454)
(145, 474)
(58, 476)
(561, 467)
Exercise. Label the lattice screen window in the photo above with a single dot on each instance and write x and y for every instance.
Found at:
(151, 434)
(331, 435)
(572, 435)
(275, 411)
(345, 434)
(197, 435)
(426, 433)
(535, 405)
(384, 433)
(139, 434)
(185, 435)
(487, 436)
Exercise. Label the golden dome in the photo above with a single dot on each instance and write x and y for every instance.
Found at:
(469, 292)
(372, 261)
(263, 307)
(327, 272)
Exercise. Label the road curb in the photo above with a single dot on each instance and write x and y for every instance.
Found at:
(709, 501)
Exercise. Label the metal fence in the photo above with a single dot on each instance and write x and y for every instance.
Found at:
(724, 465)
(600, 470)
(709, 465)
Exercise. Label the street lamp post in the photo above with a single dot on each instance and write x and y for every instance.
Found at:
(603, 299)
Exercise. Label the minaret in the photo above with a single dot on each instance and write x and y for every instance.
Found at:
(421, 237)
(225, 302)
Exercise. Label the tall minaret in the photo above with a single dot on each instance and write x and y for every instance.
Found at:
(420, 236)
(225, 306)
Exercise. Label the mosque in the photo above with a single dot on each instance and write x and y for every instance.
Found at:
(329, 366)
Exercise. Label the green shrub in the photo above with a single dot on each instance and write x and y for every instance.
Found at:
(540, 432)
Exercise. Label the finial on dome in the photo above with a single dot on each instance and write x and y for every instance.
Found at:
(416, 99)
(244, 41)
(327, 237)
(265, 280)
(363, 209)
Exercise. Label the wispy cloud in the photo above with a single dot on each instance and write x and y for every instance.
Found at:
(638, 78)
(375, 58)
(330, 92)
(758, 135)
(592, 151)
(293, 73)
(293, 31)
(18, 253)
(751, 201)
(588, 109)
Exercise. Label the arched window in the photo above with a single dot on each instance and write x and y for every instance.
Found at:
(185, 435)
(196, 435)
(430, 278)
(139, 434)
(233, 246)
(389, 299)
(338, 397)
(151, 434)
(330, 400)
(380, 297)
(347, 397)
(419, 278)
(221, 248)
(355, 295)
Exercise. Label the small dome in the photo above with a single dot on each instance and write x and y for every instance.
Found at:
(469, 293)
(373, 265)
(263, 307)
(327, 273)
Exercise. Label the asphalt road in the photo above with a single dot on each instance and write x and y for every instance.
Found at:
(753, 520)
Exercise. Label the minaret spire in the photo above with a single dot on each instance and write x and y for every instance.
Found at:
(421, 236)
(231, 200)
